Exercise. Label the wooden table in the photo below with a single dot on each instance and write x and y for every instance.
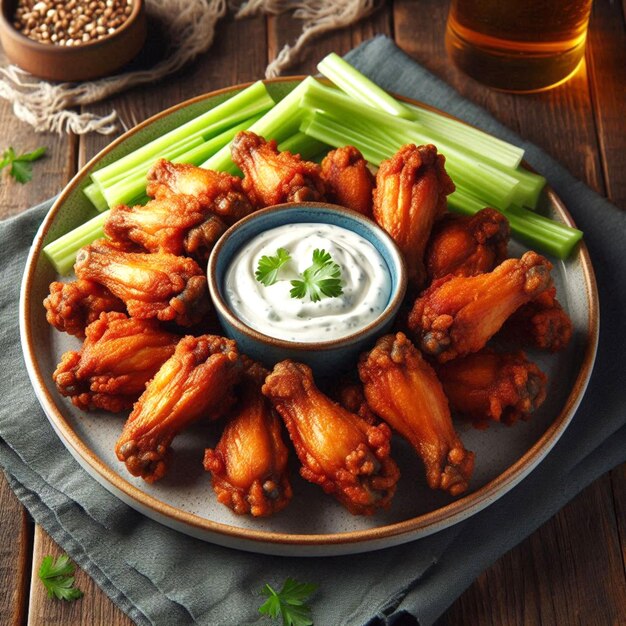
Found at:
(571, 570)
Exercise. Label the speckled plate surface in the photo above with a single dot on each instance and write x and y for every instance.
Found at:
(313, 523)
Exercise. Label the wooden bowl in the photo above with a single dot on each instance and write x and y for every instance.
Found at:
(86, 61)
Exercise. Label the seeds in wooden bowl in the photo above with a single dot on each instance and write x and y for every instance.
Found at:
(70, 22)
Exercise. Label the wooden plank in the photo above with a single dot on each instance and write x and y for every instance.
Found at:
(606, 58)
(618, 483)
(93, 608)
(16, 532)
(283, 29)
(49, 174)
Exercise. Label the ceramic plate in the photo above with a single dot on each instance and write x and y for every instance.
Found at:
(313, 523)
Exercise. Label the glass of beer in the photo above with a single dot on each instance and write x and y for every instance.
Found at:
(518, 45)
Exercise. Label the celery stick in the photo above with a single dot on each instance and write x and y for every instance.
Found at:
(533, 229)
(95, 196)
(355, 84)
(530, 186)
(304, 145)
(142, 168)
(326, 129)
(129, 189)
(278, 123)
(62, 252)
(497, 150)
(247, 103)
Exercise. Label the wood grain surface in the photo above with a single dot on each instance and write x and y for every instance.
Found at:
(572, 569)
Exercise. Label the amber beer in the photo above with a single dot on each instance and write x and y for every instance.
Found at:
(518, 45)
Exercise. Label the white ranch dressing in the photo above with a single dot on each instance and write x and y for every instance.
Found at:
(365, 280)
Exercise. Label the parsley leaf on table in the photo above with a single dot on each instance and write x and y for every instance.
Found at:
(57, 577)
(289, 603)
(322, 278)
(21, 168)
(268, 266)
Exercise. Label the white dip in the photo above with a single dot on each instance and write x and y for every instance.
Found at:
(365, 280)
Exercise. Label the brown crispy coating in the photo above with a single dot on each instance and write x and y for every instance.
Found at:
(467, 245)
(119, 356)
(410, 195)
(173, 224)
(542, 323)
(348, 180)
(157, 285)
(218, 193)
(339, 451)
(488, 386)
(249, 463)
(71, 307)
(195, 382)
(273, 177)
(457, 315)
(403, 389)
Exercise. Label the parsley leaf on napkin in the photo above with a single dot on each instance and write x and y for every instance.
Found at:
(289, 603)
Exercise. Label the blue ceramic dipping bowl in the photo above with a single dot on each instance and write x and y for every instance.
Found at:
(324, 357)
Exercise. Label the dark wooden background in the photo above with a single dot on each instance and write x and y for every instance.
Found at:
(572, 569)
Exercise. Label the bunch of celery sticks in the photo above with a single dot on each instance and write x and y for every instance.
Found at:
(315, 116)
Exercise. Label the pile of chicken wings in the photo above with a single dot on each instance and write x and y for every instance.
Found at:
(151, 344)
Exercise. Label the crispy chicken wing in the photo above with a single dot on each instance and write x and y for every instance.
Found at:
(218, 193)
(119, 356)
(488, 386)
(165, 286)
(71, 307)
(175, 224)
(403, 389)
(348, 181)
(467, 245)
(457, 315)
(195, 382)
(272, 177)
(249, 463)
(542, 323)
(410, 194)
(339, 451)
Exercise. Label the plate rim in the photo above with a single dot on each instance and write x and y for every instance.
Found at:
(251, 539)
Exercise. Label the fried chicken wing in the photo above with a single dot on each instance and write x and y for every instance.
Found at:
(249, 463)
(403, 389)
(348, 181)
(71, 307)
(457, 315)
(488, 386)
(195, 382)
(174, 224)
(273, 177)
(467, 245)
(160, 285)
(119, 356)
(218, 193)
(410, 194)
(542, 323)
(339, 451)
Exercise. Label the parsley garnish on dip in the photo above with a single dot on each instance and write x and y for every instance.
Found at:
(317, 282)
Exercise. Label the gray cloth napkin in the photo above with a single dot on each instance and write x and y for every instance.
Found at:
(158, 576)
